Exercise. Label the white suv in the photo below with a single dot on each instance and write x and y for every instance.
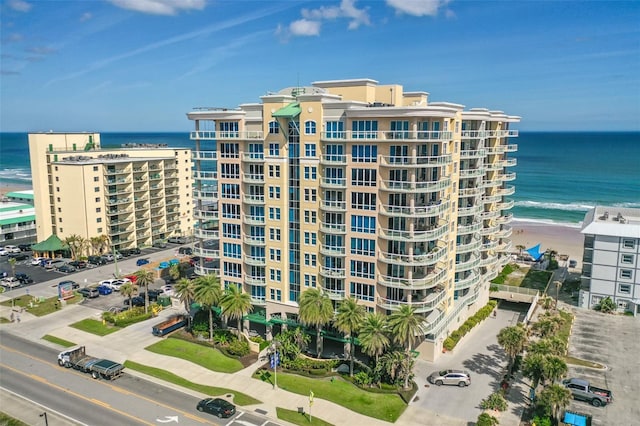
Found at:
(11, 249)
(114, 284)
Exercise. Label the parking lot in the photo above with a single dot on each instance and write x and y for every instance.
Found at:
(611, 340)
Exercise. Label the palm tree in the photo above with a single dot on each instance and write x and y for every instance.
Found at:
(557, 397)
(315, 310)
(12, 263)
(554, 368)
(373, 335)
(513, 340)
(103, 243)
(128, 290)
(74, 242)
(348, 321)
(405, 328)
(144, 277)
(174, 271)
(207, 293)
(520, 247)
(533, 368)
(396, 365)
(96, 244)
(185, 290)
(236, 304)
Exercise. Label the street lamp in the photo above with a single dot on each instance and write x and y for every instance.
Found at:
(46, 421)
(274, 360)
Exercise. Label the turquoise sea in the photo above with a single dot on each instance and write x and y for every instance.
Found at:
(560, 175)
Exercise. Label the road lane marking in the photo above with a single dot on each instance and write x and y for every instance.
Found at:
(44, 407)
(77, 395)
(100, 382)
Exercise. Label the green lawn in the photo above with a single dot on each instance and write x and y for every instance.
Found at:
(40, 307)
(238, 397)
(302, 419)
(537, 280)
(383, 406)
(58, 341)
(577, 361)
(207, 357)
(94, 326)
(6, 420)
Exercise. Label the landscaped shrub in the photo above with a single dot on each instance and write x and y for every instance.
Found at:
(449, 344)
(485, 419)
(362, 378)
(464, 329)
(126, 318)
(482, 314)
(495, 401)
(238, 348)
(542, 421)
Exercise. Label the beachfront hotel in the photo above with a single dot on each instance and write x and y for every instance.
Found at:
(360, 189)
(611, 258)
(135, 196)
(17, 218)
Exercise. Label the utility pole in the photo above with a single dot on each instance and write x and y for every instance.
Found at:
(46, 421)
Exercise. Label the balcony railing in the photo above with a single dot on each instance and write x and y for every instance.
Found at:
(333, 272)
(330, 205)
(386, 135)
(220, 134)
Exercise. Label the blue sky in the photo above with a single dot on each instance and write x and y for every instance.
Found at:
(141, 65)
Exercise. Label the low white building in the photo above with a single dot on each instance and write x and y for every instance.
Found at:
(611, 260)
(17, 218)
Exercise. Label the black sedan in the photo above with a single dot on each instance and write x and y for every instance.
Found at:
(66, 269)
(24, 278)
(135, 301)
(217, 406)
(19, 256)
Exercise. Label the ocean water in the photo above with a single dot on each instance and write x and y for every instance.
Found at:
(560, 175)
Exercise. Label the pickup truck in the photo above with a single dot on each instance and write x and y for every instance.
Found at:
(172, 324)
(582, 390)
(78, 359)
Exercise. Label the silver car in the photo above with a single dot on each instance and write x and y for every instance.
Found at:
(450, 377)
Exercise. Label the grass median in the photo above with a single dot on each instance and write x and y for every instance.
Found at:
(383, 406)
(239, 398)
(58, 341)
(94, 326)
(205, 356)
(39, 306)
(298, 418)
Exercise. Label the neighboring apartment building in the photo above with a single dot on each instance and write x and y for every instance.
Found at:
(135, 196)
(17, 218)
(611, 258)
(360, 189)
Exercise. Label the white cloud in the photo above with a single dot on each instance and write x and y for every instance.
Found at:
(160, 7)
(312, 18)
(418, 7)
(86, 16)
(304, 27)
(19, 5)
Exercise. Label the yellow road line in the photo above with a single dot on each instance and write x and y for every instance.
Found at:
(97, 401)
(100, 382)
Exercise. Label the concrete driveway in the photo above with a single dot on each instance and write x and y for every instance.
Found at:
(613, 341)
(478, 353)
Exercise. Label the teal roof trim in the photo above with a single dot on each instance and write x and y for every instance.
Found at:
(16, 207)
(290, 111)
(19, 219)
(27, 195)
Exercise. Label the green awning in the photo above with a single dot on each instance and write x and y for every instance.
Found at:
(19, 219)
(53, 243)
(215, 309)
(290, 111)
(257, 318)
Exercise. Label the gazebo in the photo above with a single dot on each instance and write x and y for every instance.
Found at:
(50, 246)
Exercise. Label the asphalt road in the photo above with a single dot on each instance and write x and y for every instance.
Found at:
(30, 370)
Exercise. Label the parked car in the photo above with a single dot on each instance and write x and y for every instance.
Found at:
(135, 301)
(177, 240)
(114, 284)
(54, 264)
(104, 290)
(18, 256)
(217, 406)
(582, 390)
(24, 247)
(135, 250)
(35, 261)
(96, 260)
(66, 268)
(74, 285)
(3, 251)
(12, 249)
(89, 292)
(153, 294)
(78, 264)
(24, 278)
(125, 252)
(167, 290)
(160, 244)
(44, 261)
(185, 251)
(108, 257)
(450, 377)
(142, 261)
(10, 282)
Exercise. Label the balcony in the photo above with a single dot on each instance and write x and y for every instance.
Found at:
(472, 154)
(255, 260)
(333, 272)
(467, 282)
(420, 305)
(253, 220)
(116, 201)
(470, 211)
(259, 300)
(506, 205)
(204, 270)
(253, 178)
(469, 229)
(205, 195)
(254, 199)
(258, 241)
(504, 219)
(334, 294)
(473, 134)
(433, 209)
(398, 162)
(259, 280)
(470, 192)
(207, 234)
(200, 175)
(220, 134)
(473, 262)
(424, 259)
(332, 251)
(206, 214)
(430, 233)
(155, 176)
(469, 246)
(507, 190)
(472, 173)
(507, 177)
(207, 253)
(117, 171)
(204, 155)
(333, 228)
(333, 183)
(489, 244)
(253, 157)
(386, 135)
(333, 206)
(333, 160)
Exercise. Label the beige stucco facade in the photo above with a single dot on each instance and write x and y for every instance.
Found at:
(135, 195)
(362, 190)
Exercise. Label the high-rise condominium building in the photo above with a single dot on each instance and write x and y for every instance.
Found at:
(611, 258)
(134, 196)
(360, 189)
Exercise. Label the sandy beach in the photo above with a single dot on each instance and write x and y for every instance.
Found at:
(565, 240)
(10, 187)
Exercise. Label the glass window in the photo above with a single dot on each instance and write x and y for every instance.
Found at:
(309, 280)
(363, 291)
(624, 288)
(274, 213)
(274, 192)
(399, 129)
(626, 273)
(364, 153)
(274, 127)
(274, 171)
(363, 201)
(364, 129)
(365, 224)
(628, 243)
(274, 149)
(310, 127)
(363, 269)
(627, 258)
(335, 130)
(363, 177)
(274, 234)
(310, 172)
(363, 246)
(309, 149)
